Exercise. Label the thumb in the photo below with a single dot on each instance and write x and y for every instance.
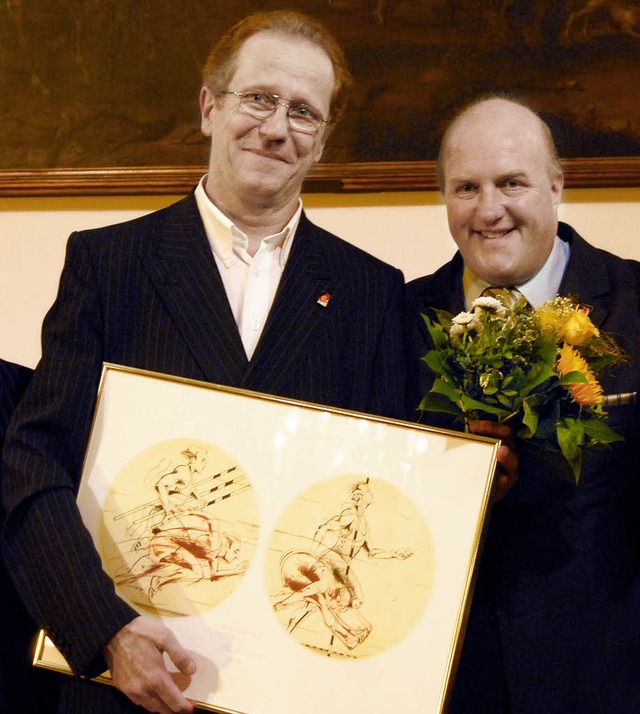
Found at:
(180, 657)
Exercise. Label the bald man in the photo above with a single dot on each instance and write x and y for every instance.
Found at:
(554, 619)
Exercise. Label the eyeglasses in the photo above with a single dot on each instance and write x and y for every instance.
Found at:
(262, 105)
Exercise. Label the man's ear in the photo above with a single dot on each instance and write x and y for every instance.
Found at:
(207, 104)
(327, 130)
(556, 189)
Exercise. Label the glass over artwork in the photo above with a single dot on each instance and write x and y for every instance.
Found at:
(291, 547)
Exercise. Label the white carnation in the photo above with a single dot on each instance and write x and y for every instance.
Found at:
(464, 318)
(490, 304)
(455, 333)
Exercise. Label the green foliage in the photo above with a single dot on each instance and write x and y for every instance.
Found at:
(509, 365)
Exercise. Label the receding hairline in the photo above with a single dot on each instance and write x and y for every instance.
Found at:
(554, 166)
(222, 59)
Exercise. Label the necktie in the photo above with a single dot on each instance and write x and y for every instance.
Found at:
(507, 295)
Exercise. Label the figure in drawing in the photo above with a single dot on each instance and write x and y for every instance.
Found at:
(323, 579)
(177, 536)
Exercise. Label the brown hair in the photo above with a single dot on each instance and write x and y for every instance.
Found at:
(555, 168)
(221, 63)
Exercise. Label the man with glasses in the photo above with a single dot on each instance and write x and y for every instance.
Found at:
(233, 285)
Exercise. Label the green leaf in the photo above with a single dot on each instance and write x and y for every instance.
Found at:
(569, 440)
(470, 404)
(530, 418)
(464, 402)
(600, 432)
(439, 330)
(434, 360)
(444, 387)
(441, 404)
(541, 374)
(505, 401)
(546, 349)
(574, 377)
(444, 317)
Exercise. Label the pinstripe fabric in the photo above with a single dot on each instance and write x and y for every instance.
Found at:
(22, 688)
(13, 381)
(148, 294)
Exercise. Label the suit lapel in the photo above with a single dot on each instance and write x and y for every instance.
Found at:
(187, 279)
(584, 277)
(445, 290)
(295, 314)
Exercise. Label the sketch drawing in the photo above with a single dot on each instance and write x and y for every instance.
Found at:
(324, 594)
(188, 523)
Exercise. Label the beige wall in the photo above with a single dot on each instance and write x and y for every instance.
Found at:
(408, 230)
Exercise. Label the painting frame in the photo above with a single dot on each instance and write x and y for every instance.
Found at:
(74, 133)
(426, 492)
(357, 177)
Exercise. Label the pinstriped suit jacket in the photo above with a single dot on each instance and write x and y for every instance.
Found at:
(148, 294)
(13, 381)
(22, 688)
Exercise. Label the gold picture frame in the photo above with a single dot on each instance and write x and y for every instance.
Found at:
(301, 548)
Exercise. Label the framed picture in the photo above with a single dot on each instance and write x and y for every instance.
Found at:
(321, 555)
(99, 98)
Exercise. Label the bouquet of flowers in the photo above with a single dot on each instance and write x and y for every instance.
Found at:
(536, 370)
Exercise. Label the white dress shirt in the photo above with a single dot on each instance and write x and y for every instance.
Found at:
(543, 286)
(250, 282)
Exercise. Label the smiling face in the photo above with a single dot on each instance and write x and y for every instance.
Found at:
(501, 192)
(262, 164)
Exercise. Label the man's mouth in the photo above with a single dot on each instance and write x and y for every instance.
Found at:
(495, 234)
(267, 155)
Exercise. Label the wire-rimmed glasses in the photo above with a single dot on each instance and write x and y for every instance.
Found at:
(261, 105)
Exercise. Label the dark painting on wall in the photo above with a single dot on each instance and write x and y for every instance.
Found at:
(101, 96)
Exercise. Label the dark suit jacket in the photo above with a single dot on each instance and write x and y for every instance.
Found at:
(553, 626)
(22, 687)
(148, 294)
(13, 381)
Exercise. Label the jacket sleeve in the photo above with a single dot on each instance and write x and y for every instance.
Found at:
(387, 379)
(48, 551)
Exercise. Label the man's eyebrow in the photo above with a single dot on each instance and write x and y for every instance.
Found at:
(461, 178)
(519, 174)
(295, 100)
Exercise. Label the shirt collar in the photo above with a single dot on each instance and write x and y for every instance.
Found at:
(541, 287)
(226, 239)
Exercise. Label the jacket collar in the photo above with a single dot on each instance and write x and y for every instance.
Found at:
(187, 280)
(295, 316)
(189, 284)
(584, 278)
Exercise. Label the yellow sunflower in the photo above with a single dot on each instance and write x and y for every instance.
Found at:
(585, 393)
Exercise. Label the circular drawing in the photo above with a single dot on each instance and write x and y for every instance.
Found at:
(350, 567)
(179, 527)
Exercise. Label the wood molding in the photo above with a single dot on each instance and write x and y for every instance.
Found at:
(605, 172)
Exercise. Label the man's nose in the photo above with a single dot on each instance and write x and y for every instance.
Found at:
(276, 125)
(490, 206)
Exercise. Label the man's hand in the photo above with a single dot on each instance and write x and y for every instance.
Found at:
(138, 669)
(508, 459)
